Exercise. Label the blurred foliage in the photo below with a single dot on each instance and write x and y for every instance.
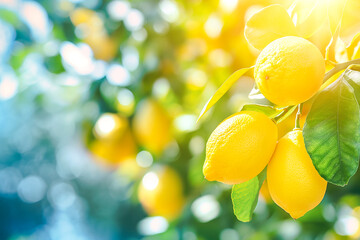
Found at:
(99, 97)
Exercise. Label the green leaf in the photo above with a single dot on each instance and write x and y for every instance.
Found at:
(245, 196)
(332, 131)
(223, 89)
(269, 111)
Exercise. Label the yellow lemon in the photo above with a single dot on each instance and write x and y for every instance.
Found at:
(110, 126)
(152, 126)
(112, 152)
(240, 147)
(289, 71)
(114, 143)
(294, 184)
(161, 193)
(85, 16)
(103, 46)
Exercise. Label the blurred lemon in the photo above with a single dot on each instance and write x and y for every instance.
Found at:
(289, 71)
(294, 184)
(86, 16)
(114, 142)
(110, 126)
(240, 148)
(161, 193)
(103, 46)
(152, 126)
(113, 152)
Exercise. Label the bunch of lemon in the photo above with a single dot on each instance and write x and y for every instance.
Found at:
(288, 71)
(115, 145)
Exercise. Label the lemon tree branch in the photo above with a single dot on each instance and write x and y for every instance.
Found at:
(338, 67)
(298, 115)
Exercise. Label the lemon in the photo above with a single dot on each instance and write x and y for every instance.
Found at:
(114, 142)
(240, 147)
(104, 47)
(85, 16)
(289, 71)
(294, 184)
(113, 152)
(152, 126)
(161, 193)
(110, 126)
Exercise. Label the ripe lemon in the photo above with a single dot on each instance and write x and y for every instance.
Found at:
(240, 147)
(161, 193)
(294, 184)
(152, 126)
(289, 71)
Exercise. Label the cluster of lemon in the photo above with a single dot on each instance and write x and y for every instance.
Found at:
(115, 145)
(288, 71)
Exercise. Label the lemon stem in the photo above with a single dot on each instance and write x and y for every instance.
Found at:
(338, 67)
(298, 115)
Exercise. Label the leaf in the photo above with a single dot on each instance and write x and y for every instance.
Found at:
(245, 196)
(255, 93)
(353, 50)
(332, 132)
(336, 50)
(344, 15)
(310, 15)
(335, 11)
(269, 111)
(350, 22)
(223, 89)
(352, 76)
(268, 24)
(330, 49)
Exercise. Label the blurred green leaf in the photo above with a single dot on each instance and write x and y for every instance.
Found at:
(245, 197)
(54, 64)
(332, 130)
(223, 89)
(10, 17)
